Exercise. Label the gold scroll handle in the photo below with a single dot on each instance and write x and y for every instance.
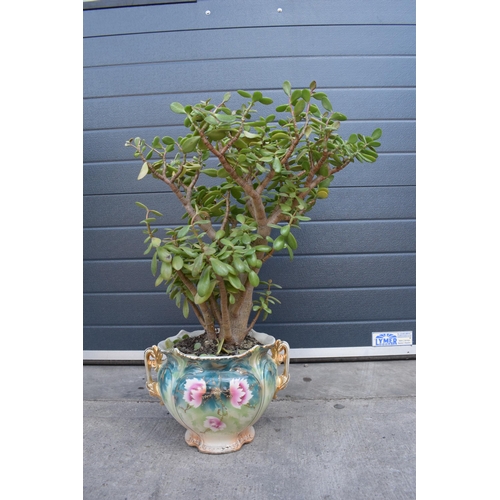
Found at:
(280, 353)
(153, 358)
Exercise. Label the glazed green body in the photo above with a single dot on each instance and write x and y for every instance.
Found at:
(218, 396)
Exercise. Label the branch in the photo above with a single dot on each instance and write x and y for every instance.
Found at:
(284, 161)
(215, 309)
(228, 206)
(258, 210)
(225, 324)
(252, 324)
(198, 314)
(208, 319)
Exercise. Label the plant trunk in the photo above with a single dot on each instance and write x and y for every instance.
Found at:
(239, 314)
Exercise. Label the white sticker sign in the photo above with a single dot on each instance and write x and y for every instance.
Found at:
(387, 339)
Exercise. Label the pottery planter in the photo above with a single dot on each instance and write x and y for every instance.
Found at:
(218, 398)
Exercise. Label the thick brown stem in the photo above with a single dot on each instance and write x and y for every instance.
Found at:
(239, 318)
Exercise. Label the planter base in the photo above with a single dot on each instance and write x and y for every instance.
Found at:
(225, 444)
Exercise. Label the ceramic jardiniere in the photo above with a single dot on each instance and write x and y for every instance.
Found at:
(218, 398)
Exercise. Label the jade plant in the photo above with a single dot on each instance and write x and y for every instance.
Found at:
(268, 172)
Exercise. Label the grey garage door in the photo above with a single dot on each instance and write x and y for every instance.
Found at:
(354, 271)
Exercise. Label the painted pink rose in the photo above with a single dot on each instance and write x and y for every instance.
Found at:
(194, 390)
(239, 392)
(214, 424)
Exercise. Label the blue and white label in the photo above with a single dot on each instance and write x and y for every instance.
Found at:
(388, 339)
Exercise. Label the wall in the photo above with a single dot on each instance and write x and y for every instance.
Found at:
(354, 270)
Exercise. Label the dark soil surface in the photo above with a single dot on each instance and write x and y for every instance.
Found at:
(202, 345)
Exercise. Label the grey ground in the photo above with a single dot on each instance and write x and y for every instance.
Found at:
(343, 430)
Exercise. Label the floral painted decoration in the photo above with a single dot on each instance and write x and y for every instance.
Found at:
(194, 391)
(239, 392)
(214, 424)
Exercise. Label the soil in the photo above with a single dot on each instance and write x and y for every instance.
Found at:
(202, 345)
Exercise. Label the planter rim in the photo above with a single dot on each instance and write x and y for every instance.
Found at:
(267, 340)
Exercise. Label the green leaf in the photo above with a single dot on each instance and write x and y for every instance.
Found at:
(164, 255)
(312, 86)
(327, 104)
(203, 286)
(239, 265)
(219, 267)
(339, 116)
(166, 270)
(299, 107)
(216, 135)
(377, 133)
(319, 96)
(211, 120)
(315, 110)
(139, 204)
(266, 100)
(226, 97)
(306, 95)
(369, 156)
(353, 138)
(262, 248)
(227, 242)
(281, 108)
(250, 135)
(279, 243)
(253, 277)
(227, 118)
(276, 165)
(284, 230)
(296, 94)
(235, 281)
(257, 96)
(291, 241)
(197, 265)
(287, 87)
(222, 173)
(177, 262)
(154, 264)
(177, 107)
(144, 171)
(189, 144)
(243, 93)
(211, 172)
(185, 310)
(183, 231)
(167, 140)
(280, 135)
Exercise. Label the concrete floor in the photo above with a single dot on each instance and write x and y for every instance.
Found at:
(342, 430)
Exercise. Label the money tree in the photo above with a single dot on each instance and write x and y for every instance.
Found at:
(245, 184)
